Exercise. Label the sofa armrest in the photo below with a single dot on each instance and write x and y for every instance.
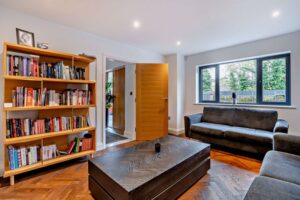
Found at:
(189, 120)
(287, 143)
(281, 126)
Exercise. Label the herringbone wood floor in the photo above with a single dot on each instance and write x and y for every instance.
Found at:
(229, 178)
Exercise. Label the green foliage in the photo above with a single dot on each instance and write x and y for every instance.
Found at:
(108, 96)
(241, 76)
(206, 80)
(233, 81)
(274, 74)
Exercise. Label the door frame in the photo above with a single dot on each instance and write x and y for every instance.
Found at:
(104, 57)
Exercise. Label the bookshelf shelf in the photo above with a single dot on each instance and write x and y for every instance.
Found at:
(29, 138)
(26, 78)
(17, 61)
(67, 157)
(23, 169)
(45, 163)
(46, 52)
(47, 107)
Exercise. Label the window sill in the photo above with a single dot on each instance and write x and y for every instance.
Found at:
(248, 105)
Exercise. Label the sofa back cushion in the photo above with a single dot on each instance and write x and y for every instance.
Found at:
(257, 119)
(243, 117)
(218, 115)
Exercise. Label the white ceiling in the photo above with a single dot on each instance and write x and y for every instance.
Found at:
(200, 25)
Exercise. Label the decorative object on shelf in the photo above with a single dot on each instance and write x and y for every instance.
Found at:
(25, 37)
(87, 56)
(157, 147)
(234, 98)
(42, 45)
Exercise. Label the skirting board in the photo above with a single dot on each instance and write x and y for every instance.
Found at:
(100, 146)
(129, 134)
(176, 131)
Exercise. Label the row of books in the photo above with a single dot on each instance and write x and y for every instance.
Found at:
(28, 65)
(69, 97)
(61, 71)
(75, 146)
(24, 65)
(49, 151)
(27, 155)
(26, 127)
(22, 156)
(78, 145)
(23, 96)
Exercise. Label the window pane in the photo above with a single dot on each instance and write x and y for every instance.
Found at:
(208, 84)
(274, 80)
(239, 77)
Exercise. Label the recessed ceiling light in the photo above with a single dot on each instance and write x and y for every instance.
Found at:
(136, 24)
(178, 43)
(275, 13)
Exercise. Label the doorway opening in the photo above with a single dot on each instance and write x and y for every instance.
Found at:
(119, 104)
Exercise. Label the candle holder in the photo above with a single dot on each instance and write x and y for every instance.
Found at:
(157, 147)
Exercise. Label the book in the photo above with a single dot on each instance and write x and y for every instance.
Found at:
(49, 152)
(23, 156)
(11, 157)
(86, 144)
(71, 146)
(77, 145)
(29, 97)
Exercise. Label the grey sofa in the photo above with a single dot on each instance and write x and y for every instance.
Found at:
(247, 130)
(279, 177)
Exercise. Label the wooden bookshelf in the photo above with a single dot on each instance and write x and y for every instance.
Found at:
(61, 138)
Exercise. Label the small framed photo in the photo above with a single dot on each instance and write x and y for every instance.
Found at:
(25, 37)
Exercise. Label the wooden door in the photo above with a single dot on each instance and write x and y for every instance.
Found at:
(151, 101)
(119, 100)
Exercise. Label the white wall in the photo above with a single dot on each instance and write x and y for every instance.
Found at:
(176, 92)
(67, 39)
(181, 91)
(172, 90)
(288, 42)
(130, 86)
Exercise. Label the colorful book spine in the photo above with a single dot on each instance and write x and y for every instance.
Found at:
(71, 146)
(22, 156)
(22, 65)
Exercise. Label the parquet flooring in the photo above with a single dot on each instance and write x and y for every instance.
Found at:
(229, 178)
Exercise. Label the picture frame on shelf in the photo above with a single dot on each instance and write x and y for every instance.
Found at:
(25, 37)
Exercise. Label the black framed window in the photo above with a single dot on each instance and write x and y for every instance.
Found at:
(264, 80)
(208, 84)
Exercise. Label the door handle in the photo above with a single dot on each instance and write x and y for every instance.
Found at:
(164, 98)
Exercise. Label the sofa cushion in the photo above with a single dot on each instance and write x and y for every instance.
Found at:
(256, 119)
(249, 135)
(210, 129)
(283, 166)
(265, 188)
(242, 117)
(218, 115)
